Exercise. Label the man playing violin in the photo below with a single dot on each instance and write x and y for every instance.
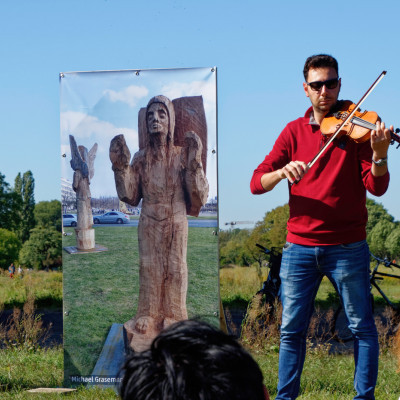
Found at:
(326, 227)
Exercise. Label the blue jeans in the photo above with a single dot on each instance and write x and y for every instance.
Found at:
(302, 269)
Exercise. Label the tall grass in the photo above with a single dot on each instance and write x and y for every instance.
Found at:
(45, 286)
(23, 329)
(238, 285)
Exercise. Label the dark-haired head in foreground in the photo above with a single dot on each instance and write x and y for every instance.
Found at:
(191, 360)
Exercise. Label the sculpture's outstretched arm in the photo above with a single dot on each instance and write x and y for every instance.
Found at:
(196, 183)
(127, 177)
(77, 162)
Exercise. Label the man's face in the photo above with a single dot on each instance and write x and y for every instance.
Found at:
(323, 99)
(157, 119)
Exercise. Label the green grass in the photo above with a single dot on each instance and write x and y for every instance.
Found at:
(21, 369)
(328, 377)
(325, 377)
(102, 288)
(46, 287)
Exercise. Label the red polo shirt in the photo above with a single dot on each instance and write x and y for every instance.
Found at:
(328, 205)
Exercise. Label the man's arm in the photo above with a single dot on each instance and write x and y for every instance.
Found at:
(293, 171)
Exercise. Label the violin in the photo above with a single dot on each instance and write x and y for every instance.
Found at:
(358, 128)
(348, 121)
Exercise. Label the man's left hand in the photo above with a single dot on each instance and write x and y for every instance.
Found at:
(380, 140)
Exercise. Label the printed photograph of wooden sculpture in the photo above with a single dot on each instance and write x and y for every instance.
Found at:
(162, 265)
(171, 181)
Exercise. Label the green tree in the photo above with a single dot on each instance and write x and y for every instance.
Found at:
(43, 249)
(239, 245)
(10, 204)
(377, 237)
(9, 248)
(25, 187)
(393, 243)
(376, 213)
(48, 214)
(233, 247)
(272, 230)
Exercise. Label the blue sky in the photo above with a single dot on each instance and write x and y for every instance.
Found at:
(259, 48)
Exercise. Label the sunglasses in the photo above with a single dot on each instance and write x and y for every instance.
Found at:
(329, 84)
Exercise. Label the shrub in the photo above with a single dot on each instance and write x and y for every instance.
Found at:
(9, 248)
(24, 330)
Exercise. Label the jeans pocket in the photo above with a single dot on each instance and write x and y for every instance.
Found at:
(287, 246)
(354, 245)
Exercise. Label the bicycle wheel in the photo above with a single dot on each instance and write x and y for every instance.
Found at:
(341, 330)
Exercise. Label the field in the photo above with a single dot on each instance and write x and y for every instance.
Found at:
(326, 375)
(97, 293)
(45, 286)
(239, 284)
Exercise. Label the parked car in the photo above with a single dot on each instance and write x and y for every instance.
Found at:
(69, 220)
(112, 217)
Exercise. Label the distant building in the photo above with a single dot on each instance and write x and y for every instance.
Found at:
(68, 196)
(211, 206)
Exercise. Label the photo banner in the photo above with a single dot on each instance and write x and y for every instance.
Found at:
(140, 204)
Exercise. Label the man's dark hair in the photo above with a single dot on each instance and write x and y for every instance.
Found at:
(191, 360)
(320, 61)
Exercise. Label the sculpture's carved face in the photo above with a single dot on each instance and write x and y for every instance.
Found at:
(157, 119)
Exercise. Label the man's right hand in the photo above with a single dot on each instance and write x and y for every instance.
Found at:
(293, 171)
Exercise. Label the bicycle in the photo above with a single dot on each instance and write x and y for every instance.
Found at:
(340, 328)
(261, 311)
(272, 284)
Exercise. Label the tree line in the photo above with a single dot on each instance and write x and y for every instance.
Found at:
(238, 246)
(30, 233)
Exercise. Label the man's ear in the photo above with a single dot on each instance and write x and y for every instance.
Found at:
(305, 87)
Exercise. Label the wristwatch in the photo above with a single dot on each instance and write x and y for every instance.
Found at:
(380, 162)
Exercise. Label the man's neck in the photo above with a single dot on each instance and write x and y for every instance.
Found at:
(319, 116)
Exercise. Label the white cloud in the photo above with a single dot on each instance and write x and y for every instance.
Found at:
(130, 95)
(195, 88)
(87, 131)
(84, 126)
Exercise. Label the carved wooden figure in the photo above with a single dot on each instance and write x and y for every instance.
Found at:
(171, 180)
(82, 163)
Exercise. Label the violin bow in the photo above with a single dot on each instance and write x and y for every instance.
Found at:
(349, 117)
